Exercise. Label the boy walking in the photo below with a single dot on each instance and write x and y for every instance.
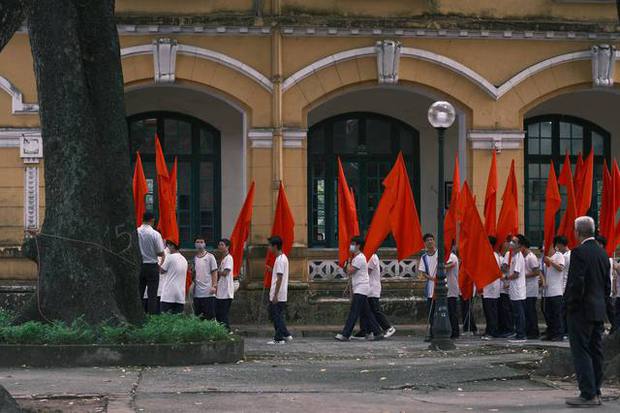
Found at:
(205, 281)
(225, 284)
(278, 292)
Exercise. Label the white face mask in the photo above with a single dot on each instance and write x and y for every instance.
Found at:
(352, 248)
(200, 245)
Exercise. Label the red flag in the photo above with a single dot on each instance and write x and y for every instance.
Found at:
(449, 226)
(615, 179)
(607, 217)
(397, 213)
(568, 220)
(140, 189)
(578, 174)
(553, 202)
(283, 226)
(508, 221)
(167, 195)
(583, 185)
(241, 231)
(490, 199)
(348, 225)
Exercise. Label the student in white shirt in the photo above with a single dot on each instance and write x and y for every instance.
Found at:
(205, 280)
(490, 299)
(151, 249)
(515, 273)
(505, 323)
(225, 284)
(561, 245)
(532, 288)
(174, 271)
(428, 270)
(357, 270)
(609, 303)
(452, 281)
(615, 289)
(554, 290)
(278, 293)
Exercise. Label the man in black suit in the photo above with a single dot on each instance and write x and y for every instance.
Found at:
(587, 287)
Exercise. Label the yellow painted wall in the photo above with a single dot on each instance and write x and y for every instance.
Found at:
(184, 7)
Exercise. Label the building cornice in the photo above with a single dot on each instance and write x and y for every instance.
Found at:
(496, 139)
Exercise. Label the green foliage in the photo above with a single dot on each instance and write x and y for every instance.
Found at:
(165, 328)
(5, 318)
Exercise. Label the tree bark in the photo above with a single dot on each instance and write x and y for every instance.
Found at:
(88, 255)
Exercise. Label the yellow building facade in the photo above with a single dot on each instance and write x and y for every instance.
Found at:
(271, 91)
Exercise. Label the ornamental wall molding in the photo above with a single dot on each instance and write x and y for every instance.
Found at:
(262, 138)
(18, 106)
(496, 139)
(11, 137)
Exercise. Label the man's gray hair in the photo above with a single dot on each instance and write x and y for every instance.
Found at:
(585, 226)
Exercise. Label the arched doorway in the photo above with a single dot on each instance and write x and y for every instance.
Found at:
(367, 143)
(196, 145)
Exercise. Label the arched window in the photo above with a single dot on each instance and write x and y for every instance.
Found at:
(548, 138)
(367, 144)
(197, 147)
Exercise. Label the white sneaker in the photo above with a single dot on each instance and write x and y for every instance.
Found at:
(517, 340)
(358, 338)
(390, 332)
(340, 337)
(288, 338)
(276, 342)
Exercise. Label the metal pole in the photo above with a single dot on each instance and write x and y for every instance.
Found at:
(441, 322)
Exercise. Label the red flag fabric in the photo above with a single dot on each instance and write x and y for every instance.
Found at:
(140, 189)
(583, 185)
(607, 217)
(578, 174)
(449, 228)
(241, 231)
(348, 225)
(567, 224)
(397, 213)
(477, 256)
(490, 199)
(553, 202)
(615, 179)
(283, 226)
(508, 221)
(167, 195)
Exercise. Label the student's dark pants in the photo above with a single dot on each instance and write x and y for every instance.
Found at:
(375, 309)
(506, 324)
(617, 321)
(553, 316)
(430, 314)
(453, 315)
(361, 308)
(564, 320)
(587, 350)
(222, 308)
(531, 318)
(277, 316)
(149, 277)
(469, 322)
(173, 308)
(518, 315)
(204, 307)
(491, 313)
(611, 311)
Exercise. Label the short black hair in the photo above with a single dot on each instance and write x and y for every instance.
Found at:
(523, 241)
(199, 236)
(560, 239)
(226, 242)
(169, 241)
(276, 241)
(601, 240)
(427, 236)
(492, 240)
(148, 216)
(357, 240)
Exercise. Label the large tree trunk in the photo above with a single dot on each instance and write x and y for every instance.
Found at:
(88, 256)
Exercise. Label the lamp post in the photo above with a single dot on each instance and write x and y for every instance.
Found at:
(441, 116)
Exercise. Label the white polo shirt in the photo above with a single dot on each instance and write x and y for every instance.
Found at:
(360, 281)
(226, 285)
(151, 243)
(555, 278)
(374, 275)
(532, 283)
(565, 274)
(517, 288)
(280, 266)
(174, 275)
(452, 276)
(431, 260)
(492, 290)
(204, 266)
(505, 284)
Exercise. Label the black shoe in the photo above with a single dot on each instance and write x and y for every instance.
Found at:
(581, 402)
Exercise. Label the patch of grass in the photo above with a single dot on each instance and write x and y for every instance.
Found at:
(5, 318)
(169, 328)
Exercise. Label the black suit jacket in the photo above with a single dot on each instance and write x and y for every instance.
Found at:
(588, 283)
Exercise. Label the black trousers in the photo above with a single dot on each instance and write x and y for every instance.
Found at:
(469, 322)
(204, 307)
(553, 317)
(587, 350)
(518, 315)
(506, 324)
(222, 308)
(430, 314)
(174, 308)
(564, 318)
(491, 313)
(617, 320)
(360, 309)
(531, 318)
(453, 316)
(149, 277)
(276, 311)
(377, 311)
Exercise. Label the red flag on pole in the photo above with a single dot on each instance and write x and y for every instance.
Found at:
(615, 179)
(397, 213)
(490, 199)
(167, 195)
(583, 184)
(553, 202)
(607, 217)
(450, 220)
(567, 223)
(140, 189)
(348, 225)
(508, 221)
(283, 226)
(241, 231)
